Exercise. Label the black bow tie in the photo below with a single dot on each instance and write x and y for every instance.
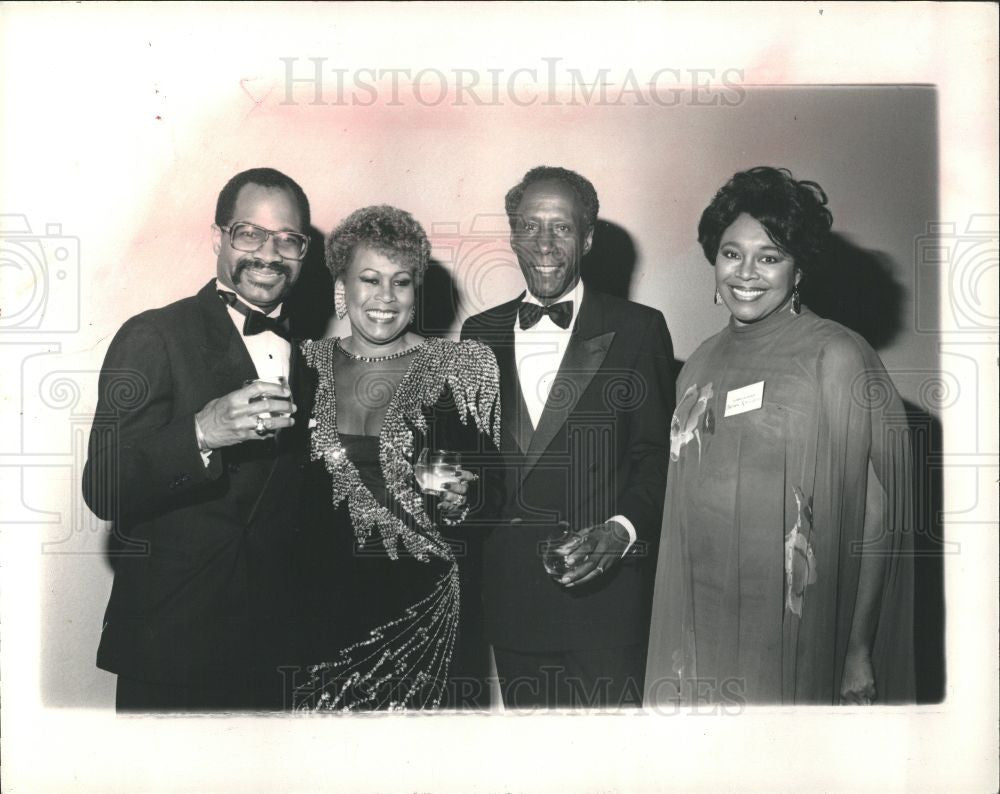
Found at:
(256, 322)
(528, 314)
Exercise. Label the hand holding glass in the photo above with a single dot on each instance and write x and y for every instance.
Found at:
(276, 380)
(557, 547)
(436, 467)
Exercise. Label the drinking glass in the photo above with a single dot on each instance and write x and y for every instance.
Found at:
(435, 467)
(276, 380)
(557, 547)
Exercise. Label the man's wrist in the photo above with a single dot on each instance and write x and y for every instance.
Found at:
(200, 436)
(617, 530)
(622, 526)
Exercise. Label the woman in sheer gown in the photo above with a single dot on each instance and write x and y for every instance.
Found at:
(784, 572)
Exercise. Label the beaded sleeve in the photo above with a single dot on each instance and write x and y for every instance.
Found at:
(469, 370)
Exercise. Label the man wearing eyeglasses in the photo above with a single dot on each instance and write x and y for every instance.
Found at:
(195, 456)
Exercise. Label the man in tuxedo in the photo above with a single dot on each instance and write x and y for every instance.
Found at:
(195, 455)
(587, 395)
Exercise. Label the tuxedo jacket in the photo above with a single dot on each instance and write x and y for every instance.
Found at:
(600, 449)
(203, 573)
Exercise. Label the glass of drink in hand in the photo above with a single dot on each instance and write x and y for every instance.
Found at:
(276, 380)
(435, 467)
(557, 547)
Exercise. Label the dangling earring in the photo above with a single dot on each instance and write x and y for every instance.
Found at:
(796, 300)
(413, 315)
(717, 300)
(340, 301)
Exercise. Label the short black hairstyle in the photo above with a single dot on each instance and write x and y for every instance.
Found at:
(390, 231)
(793, 213)
(265, 177)
(582, 188)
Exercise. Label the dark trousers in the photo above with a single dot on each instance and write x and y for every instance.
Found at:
(239, 693)
(589, 678)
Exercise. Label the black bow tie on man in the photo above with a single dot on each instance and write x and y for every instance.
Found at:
(256, 322)
(528, 314)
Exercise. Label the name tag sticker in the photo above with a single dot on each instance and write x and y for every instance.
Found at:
(749, 398)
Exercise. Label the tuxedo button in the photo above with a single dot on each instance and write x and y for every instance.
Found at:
(233, 468)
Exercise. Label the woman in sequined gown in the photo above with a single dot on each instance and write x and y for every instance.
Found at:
(391, 574)
(784, 572)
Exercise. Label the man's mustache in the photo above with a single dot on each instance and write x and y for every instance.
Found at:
(249, 262)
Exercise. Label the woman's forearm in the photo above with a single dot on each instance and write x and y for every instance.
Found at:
(875, 545)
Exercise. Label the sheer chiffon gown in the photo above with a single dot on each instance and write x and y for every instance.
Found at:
(760, 552)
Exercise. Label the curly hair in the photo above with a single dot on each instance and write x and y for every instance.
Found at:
(794, 214)
(582, 188)
(390, 231)
(225, 205)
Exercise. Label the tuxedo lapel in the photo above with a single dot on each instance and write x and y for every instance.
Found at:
(587, 349)
(515, 421)
(226, 357)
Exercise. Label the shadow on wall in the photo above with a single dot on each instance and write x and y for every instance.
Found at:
(859, 291)
(311, 304)
(929, 548)
(437, 302)
(611, 262)
(610, 265)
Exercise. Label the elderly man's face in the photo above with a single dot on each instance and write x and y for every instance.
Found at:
(550, 237)
(262, 278)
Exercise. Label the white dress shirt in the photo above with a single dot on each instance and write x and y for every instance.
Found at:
(271, 355)
(538, 354)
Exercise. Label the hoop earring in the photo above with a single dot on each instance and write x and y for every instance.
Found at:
(796, 300)
(340, 301)
(717, 299)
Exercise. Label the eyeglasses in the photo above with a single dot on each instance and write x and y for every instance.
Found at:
(250, 238)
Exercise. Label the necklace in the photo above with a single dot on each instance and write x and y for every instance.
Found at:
(376, 359)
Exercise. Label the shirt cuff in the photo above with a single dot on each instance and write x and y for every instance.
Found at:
(629, 528)
(203, 450)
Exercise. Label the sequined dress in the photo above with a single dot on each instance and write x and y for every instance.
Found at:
(391, 626)
(759, 558)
